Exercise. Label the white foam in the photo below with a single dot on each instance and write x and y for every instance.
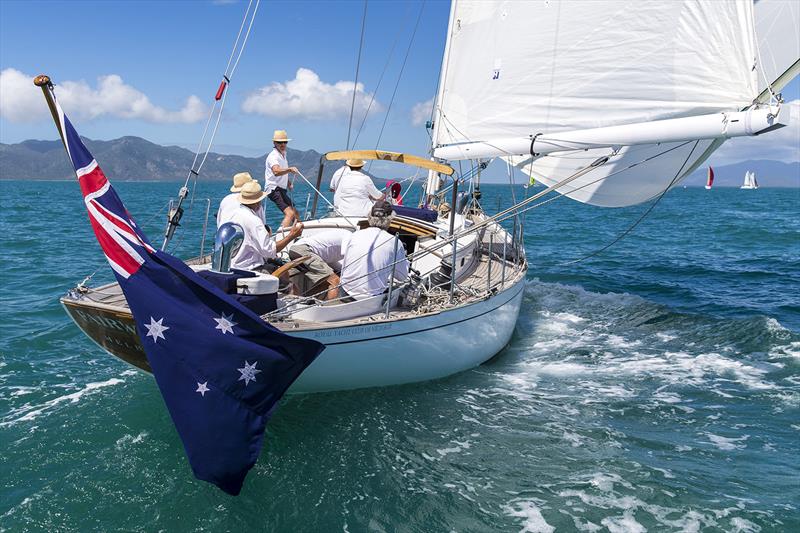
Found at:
(727, 444)
(623, 524)
(74, 397)
(528, 510)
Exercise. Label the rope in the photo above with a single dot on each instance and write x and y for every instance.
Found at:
(358, 65)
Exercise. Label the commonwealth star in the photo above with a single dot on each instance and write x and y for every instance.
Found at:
(248, 372)
(156, 329)
(225, 323)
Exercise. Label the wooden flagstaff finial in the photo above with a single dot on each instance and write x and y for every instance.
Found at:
(42, 80)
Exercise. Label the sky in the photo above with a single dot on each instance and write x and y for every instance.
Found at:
(151, 69)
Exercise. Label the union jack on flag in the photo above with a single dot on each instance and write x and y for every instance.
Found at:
(123, 244)
(220, 368)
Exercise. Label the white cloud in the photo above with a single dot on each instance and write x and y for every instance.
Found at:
(780, 145)
(306, 96)
(21, 101)
(421, 112)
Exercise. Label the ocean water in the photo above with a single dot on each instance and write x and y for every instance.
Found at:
(654, 387)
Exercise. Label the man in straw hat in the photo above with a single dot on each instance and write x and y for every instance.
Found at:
(369, 256)
(230, 203)
(258, 245)
(276, 178)
(355, 192)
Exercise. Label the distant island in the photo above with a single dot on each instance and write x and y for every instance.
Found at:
(137, 159)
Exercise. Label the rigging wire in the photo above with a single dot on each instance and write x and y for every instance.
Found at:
(399, 77)
(358, 65)
(641, 218)
(220, 98)
(378, 86)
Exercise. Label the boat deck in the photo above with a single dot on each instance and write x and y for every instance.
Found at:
(483, 279)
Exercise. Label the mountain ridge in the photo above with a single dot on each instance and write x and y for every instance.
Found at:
(131, 158)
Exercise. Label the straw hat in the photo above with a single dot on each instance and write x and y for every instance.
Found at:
(240, 179)
(355, 163)
(280, 136)
(251, 193)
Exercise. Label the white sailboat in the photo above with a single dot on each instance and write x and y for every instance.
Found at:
(750, 181)
(604, 102)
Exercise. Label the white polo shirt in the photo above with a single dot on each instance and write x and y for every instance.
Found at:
(368, 256)
(354, 194)
(257, 246)
(270, 179)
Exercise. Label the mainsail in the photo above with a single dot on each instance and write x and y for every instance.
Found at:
(710, 178)
(778, 46)
(521, 69)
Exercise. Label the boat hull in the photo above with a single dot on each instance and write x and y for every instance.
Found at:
(375, 354)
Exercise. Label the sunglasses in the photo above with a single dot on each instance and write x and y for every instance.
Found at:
(281, 142)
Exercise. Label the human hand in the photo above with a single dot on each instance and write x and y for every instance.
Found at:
(294, 170)
(296, 230)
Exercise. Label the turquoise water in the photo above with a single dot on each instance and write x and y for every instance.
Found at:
(655, 386)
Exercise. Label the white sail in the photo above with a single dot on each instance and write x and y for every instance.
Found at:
(778, 32)
(517, 69)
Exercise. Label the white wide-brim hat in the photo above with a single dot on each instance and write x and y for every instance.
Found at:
(355, 163)
(251, 193)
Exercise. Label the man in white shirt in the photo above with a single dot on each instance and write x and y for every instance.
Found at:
(258, 245)
(230, 203)
(318, 274)
(369, 255)
(355, 192)
(276, 178)
(338, 176)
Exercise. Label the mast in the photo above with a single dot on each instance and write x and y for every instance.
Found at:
(432, 185)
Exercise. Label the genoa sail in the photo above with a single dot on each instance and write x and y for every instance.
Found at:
(710, 178)
(528, 68)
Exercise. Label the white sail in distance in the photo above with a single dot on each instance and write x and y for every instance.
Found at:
(518, 69)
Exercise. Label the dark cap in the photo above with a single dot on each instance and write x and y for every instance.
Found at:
(381, 208)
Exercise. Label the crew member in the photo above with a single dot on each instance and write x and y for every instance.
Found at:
(369, 256)
(276, 178)
(337, 176)
(355, 192)
(318, 274)
(230, 203)
(258, 245)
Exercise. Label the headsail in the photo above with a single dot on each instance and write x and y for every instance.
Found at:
(517, 69)
(710, 178)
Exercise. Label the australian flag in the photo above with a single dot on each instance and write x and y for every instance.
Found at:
(220, 368)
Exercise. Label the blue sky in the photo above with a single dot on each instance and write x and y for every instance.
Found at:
(169, 51)
(169, 56)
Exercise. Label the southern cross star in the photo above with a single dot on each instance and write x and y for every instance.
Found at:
(248, 373)
(225, 323)
(202, 388)
(156, 329)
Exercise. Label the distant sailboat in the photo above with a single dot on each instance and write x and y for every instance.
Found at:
(750, 181)
(710, 179)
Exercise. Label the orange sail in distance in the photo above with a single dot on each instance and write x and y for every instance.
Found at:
(710, 179)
